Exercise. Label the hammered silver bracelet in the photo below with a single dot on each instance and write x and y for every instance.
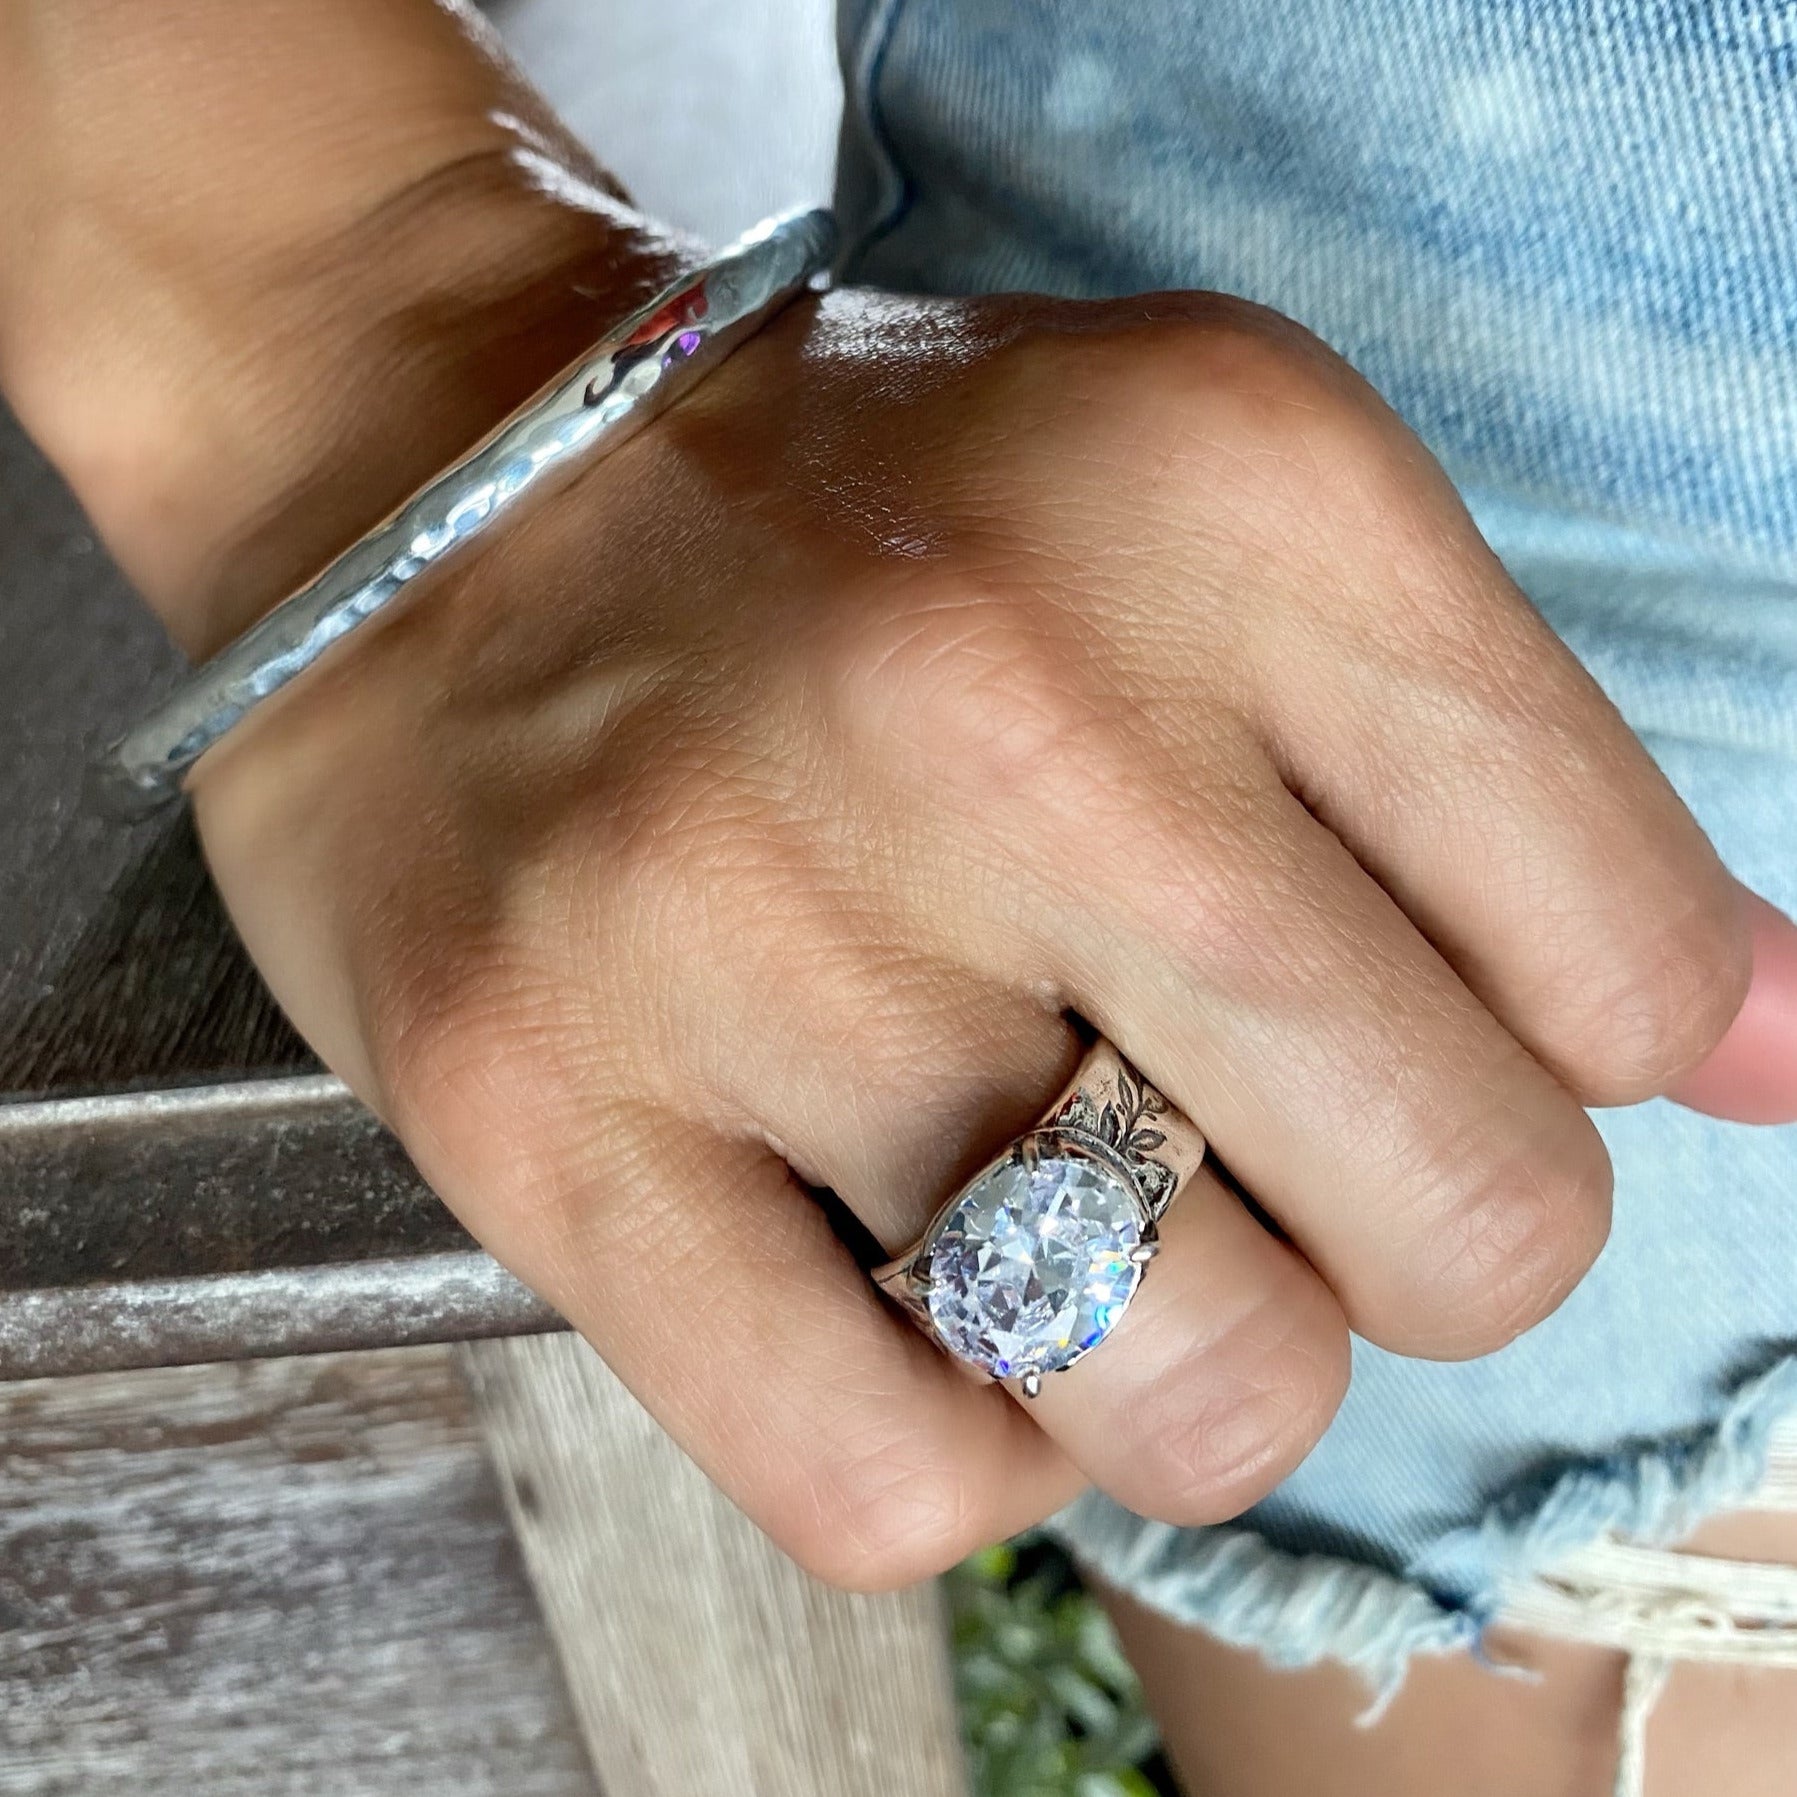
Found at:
(609, 392)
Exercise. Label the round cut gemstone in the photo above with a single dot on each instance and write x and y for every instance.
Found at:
(1032, 1266)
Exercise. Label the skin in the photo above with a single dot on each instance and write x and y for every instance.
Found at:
(759, 809)
(1234, 1729)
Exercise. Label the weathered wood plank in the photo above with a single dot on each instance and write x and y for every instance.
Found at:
(268, 1580)
(700, 1660)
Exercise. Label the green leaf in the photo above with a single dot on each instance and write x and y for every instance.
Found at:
(1048, 1703)
(992, 1565)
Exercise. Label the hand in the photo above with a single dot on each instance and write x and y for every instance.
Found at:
(768, 799)
(763, 804)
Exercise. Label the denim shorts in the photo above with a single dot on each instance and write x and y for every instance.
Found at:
(1560, 236)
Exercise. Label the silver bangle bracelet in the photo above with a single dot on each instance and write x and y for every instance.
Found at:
(592, 405)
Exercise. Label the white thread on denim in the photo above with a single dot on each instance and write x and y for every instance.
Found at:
(1661, 1607)
(1300, 1610)
(1642, 1682)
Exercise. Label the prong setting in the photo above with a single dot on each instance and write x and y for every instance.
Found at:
(1029, 1266)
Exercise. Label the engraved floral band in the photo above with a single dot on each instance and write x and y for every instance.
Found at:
(1032, 1263)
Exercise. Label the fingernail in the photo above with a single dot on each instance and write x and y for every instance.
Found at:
(1751, 1075)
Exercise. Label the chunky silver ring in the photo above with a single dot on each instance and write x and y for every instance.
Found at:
(1032, 1263)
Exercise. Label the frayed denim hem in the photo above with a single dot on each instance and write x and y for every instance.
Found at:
(1294, 1609)
(1300, 1609)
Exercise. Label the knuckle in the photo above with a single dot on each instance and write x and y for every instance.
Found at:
(675, 810)
(1216, 1431)
(1526, 1227)
(492, 1062)
(1291, 454)
(1226, 890)
(471, 1063)
(1668, 1001)
(877, 1517)
(962, 686)
(1231, 375)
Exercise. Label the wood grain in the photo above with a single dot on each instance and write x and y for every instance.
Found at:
(268, 1580)
(699, 1659)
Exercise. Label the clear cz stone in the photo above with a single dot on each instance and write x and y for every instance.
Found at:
(1032, 1267)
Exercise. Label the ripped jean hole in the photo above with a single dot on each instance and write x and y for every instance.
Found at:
(1299, 1610)
(1661, 1607)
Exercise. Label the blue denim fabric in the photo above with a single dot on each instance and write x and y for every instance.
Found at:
(1560, 236)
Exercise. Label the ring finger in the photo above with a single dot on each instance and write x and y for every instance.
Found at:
(1233, 1355)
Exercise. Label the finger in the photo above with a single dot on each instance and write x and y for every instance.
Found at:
(717, 1292)
(1751, 1074)
(1445, 1184)
(682, 1251)
(1221, 1376)
(1437, 724)
(1449, 1189)
(1233, 1355)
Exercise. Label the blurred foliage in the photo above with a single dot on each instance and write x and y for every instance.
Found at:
(1049, 1705)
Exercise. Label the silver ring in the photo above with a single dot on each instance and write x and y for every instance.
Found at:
(1033, 1262)
(613, 389)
